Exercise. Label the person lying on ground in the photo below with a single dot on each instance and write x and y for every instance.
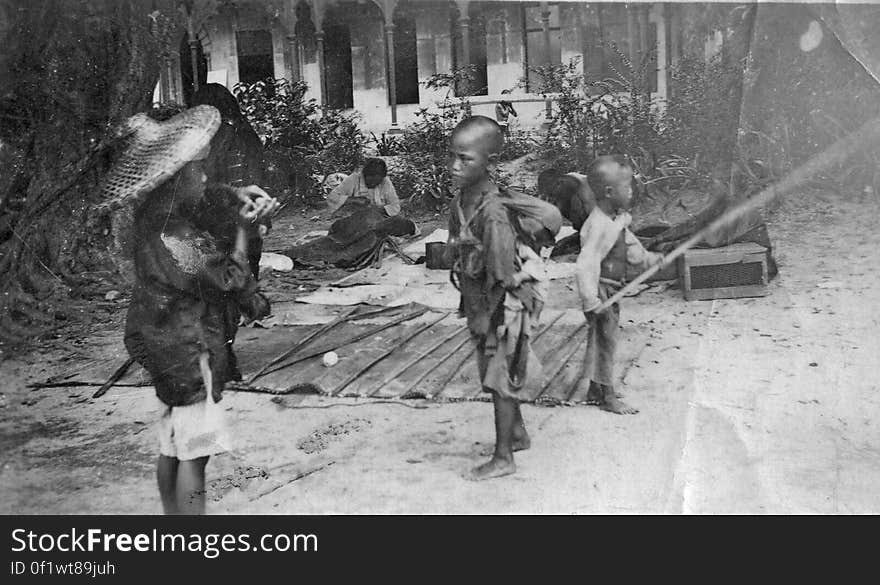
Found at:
(370, 184)
(483, 250)
(609, 251)
(185, 285)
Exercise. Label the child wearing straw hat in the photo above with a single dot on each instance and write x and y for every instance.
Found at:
(185, 286)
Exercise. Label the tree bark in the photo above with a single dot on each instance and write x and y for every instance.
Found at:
(74, 70)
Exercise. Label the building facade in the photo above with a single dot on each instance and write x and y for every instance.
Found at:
(373, 56)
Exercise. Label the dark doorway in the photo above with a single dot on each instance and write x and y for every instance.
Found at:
(337, 67)
(406, 61)
(255, 62)
(186, 68)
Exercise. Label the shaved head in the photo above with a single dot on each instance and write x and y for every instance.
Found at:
(611, 177)
(483, 129)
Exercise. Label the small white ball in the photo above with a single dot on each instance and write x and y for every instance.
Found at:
(330, 358)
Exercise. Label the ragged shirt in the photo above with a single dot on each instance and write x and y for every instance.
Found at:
(484, 257)
(599, 234)
(384, 195)
(500, 282)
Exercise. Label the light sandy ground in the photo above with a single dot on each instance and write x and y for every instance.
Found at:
(764, 405)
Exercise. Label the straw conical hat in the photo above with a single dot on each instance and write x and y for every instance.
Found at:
(153, 151)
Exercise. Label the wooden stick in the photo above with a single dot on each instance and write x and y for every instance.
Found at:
(354, 339)
(348, 316)
(385, 354)
(836, 153)
(320, 331)
(120, 371)
(75, 384)
(416, 360)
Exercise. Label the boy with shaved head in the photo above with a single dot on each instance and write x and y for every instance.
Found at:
(609, 253)
(498, 298)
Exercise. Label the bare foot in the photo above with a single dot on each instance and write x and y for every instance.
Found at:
(596, 394)
(519, 444)
(491, 469)
(613, 403)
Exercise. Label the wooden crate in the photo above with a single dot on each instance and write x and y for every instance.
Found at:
(738, 270)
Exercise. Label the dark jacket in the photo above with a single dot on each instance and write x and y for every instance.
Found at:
(185, 290)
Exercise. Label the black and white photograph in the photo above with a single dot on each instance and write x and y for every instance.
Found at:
(438, 257)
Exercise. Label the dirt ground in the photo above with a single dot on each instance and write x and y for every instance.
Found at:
(764, 405)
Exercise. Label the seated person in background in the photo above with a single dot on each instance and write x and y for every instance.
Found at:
(368, 213)
(371, 185)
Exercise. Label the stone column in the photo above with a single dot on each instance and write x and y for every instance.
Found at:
(293, 44)
(392, 74)
(632, 32)
(292, 41)
(165, 80)
(545, 27)
(319, 37)
(193, 42)
(644, 49)
(464, 27)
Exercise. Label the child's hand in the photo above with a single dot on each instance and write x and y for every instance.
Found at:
(264, 205)
(248, 214)
(593, 308)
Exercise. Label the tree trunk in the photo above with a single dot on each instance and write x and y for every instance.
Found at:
(73, 71)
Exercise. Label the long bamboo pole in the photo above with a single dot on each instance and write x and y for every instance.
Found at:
(836, 153)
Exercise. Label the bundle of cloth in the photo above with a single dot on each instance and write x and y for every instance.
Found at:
(368, 213)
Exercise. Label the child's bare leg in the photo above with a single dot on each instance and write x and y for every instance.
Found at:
(521, 439)
(191, 486)
(166, 476)
(501, 463)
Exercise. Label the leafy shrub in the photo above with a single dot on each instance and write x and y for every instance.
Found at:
(386, 145)
(592, 117)
(303, 140)
(421, 179)
(518, 143)
(703, 113)
(421, 174)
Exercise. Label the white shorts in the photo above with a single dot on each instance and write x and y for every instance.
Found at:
(193, 431)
